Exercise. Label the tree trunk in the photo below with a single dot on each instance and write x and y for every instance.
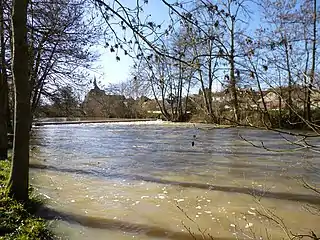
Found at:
(19, 179)
(232, 75)
(313, 63)
(265, 109)
(305, 78)
(210, 78)
(3, 93)
(179, 118)
(289, 100)
(280, 99)
(187, 97)
(205, 97)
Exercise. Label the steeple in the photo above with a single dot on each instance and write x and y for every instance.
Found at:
(95, 85)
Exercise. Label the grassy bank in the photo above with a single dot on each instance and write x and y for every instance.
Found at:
(18, 221)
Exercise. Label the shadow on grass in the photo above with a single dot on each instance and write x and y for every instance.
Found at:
(18, 220)
(123, 226)
(305, 198)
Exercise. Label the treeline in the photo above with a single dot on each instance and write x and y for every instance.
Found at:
(249, 48)
(97, 104)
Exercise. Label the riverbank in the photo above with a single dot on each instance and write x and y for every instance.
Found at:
(19, 221)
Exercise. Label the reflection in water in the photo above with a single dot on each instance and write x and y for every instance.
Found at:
(126, 180)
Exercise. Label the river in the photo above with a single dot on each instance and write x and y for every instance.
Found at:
(148, 181)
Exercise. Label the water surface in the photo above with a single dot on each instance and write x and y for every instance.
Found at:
(147, 181)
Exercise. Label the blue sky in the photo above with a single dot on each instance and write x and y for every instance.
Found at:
(113, 71)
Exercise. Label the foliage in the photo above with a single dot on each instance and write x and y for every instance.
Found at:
(63, 102)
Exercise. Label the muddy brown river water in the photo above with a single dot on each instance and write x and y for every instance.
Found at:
(146, 181)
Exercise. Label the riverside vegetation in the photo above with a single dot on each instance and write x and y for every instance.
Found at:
(17, 220)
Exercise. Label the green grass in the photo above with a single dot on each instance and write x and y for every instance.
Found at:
(18, 221)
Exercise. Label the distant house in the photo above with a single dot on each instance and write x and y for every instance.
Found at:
(223, 99)
(220, 97)
(273, 98)
(315, 99)
(272, 101)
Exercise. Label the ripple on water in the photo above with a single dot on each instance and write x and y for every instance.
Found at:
(131, 177)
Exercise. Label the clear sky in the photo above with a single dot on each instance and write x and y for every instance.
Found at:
(113, 71)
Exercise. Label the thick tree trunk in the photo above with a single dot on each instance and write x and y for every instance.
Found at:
(3, 93)
(19, 179)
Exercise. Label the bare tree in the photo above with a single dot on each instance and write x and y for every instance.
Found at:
(313, 63)
(60, 45)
